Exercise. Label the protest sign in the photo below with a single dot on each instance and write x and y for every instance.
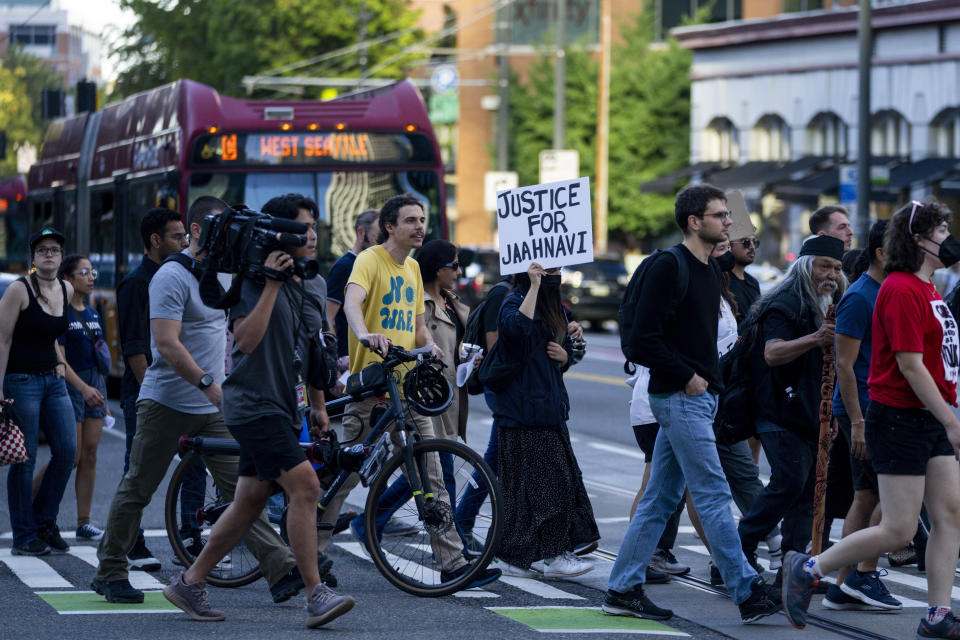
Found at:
(550, 224)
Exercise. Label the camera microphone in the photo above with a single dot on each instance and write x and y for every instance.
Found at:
(291, 239)
(282, 224)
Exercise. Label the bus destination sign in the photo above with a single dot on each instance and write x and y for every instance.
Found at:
(330, 148)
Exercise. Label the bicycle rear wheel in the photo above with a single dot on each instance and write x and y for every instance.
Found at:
(409, 561)
(239, 567)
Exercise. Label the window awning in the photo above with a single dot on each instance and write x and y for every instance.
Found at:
(669, 184)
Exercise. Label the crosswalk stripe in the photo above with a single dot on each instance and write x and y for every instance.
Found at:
(138, 579)
(34, 572)
(538, 588)
(630, 453)
(71, 535)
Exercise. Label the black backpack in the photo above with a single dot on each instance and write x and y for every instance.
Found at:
(627, 314)
(474, 334)
(736, 418)
(952, 300)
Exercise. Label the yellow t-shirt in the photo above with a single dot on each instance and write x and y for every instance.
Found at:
(394, 300)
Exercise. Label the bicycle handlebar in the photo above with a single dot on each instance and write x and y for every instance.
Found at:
(398, 355)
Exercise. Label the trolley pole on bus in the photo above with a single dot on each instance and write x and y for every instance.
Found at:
(861, 221)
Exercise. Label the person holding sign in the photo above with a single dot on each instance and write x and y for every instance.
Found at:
(547, 513)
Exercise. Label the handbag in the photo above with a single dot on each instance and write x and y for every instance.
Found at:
(100, 349)
(323, 360)
(13, 449)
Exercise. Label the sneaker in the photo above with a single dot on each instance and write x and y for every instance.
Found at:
(655, 577)
(325, 605)
(665, 562)
(761, 603)
(774, 552)
(344, 520)
(49, 532)
(35, 547)
(140, 557)
(89, 532)
(566, 565)
(192, 598)
(194, 545)
(716, 579)
(396, 528)
(868, 588)
(483, 578)
(120, 591)
(837, 600)
(633, 603)
(512, 571)
(472, 547)
(291, 584)
(797, 588)
(585, 548)
(360, 533)
(949, 627)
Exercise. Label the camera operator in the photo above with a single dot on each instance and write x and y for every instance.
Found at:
(264, 399)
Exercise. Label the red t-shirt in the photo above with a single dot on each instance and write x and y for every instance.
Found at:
(911, 316)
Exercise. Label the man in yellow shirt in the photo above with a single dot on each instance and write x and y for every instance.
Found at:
(383, 303)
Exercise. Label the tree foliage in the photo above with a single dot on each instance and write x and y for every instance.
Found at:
(22, 79)
(218, 42)
(649, 123)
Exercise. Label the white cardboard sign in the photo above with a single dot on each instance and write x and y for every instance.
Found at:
(550, 224)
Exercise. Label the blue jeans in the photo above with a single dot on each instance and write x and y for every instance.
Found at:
(476, 493)
(41, 401)
(685, 454)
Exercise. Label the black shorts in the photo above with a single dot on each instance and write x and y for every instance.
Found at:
(901, 441)
(646, 435)
(268, 447)
(864, 477)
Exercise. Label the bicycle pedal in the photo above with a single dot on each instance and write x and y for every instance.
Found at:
(324, 526)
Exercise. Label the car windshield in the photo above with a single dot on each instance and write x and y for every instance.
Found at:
(600, 269)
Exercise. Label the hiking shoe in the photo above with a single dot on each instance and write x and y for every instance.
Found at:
(656, 577)
(484, 577)
(193, 545)
(512, 571)
(291, 584)
(324, 605)
(949, 627)
(396, 528)
(837, 600)
(49, 532)
(35, 547)
(775, 552)
(140, 557)
(585, 548)
(89, 532)
(633, 603)
(665, 562)
(761, 603)
(192, 598)
(565, 565)
(716, 579)
(120, 591)
(869, 589)
(902, 557)
(797, 588)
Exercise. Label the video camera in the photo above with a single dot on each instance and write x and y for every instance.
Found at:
(238, 240)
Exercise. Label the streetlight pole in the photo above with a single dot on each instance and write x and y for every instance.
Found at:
(603, 132)
(560, 79)
(861, 222)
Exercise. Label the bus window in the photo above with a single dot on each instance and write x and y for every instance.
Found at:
(102, 238)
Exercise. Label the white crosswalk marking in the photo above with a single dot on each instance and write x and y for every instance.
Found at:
(34, 572)
(138, 579)
(538, 588)
(630, 453)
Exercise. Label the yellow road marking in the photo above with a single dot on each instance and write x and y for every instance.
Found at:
(596, 377)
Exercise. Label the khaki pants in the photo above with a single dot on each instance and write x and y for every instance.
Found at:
(158, 432)
(447, 548)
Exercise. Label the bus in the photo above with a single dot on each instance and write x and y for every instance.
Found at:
(14, 230)
(98, 173)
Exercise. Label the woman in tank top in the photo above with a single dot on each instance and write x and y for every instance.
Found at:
(33, 314)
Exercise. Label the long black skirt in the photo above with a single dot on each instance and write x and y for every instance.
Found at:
(545, 506)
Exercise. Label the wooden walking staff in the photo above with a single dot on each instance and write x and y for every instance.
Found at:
(825, 441)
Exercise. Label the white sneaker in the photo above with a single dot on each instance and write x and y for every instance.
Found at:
(566, 565)
(774, 552)
(511, 570)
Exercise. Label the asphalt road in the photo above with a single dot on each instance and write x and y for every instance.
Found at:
(50, 597)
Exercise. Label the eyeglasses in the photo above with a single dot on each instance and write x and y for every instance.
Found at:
(453, 265)
(86, 272)
(747, 243)
(913, 212)
(179, 237)
(719, 214)
(48, 251)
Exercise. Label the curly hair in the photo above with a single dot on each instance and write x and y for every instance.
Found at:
(900, 244)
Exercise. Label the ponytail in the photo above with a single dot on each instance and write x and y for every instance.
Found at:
(36, 287)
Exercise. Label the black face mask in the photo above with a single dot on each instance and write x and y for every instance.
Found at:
(550, 281)
(949, 253)
(727, 262)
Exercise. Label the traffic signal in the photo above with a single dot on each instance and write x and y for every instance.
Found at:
(3, 145)
(53, 104)
(86, 96)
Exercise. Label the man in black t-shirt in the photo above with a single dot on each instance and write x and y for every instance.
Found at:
(787, 369)
(743, 285)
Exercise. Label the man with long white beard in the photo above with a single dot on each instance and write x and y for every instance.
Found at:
(787, 366)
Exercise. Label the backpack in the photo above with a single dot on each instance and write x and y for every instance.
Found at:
(736, 418)
(952, 300)
(474, 334)
(627, 314)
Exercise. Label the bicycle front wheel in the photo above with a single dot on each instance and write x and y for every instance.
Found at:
(442, 535)
(193, 504)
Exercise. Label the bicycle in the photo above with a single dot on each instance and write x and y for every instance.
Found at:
(405, 562)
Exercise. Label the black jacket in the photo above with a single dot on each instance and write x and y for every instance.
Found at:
(537, 398)
(133, 319)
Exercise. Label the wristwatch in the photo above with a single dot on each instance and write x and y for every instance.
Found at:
(205, 381)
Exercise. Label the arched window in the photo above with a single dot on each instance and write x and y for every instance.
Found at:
(826, 135)
(720, 141)
(770, 139)
(945, 134)
(889, 134)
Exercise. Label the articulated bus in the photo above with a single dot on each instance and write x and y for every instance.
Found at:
(98, 173)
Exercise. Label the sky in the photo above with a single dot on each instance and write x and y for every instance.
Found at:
(101, 17)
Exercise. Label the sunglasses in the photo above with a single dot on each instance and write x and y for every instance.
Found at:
(86, 272)
(913, 212)
(453, 265)
(746, 244)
